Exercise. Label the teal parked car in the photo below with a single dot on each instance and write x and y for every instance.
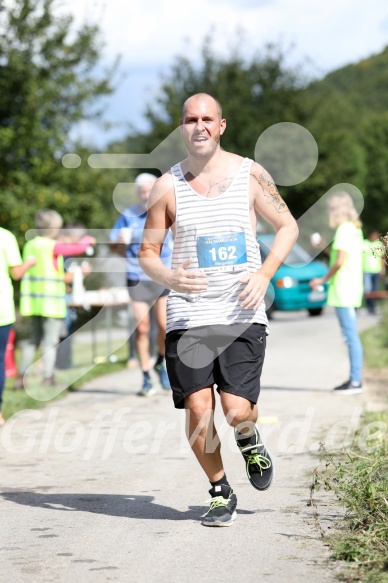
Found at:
(291, 289)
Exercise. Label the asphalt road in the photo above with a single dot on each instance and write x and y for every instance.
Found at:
(102, 486)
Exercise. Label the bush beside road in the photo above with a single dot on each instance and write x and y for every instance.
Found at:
(359, 478)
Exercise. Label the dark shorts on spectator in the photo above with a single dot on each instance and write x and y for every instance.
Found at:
(146, 291)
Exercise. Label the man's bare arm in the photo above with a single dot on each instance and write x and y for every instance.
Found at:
(160, 215)
(155, 231)
(270, 205)
(17, 271)
(268, 188)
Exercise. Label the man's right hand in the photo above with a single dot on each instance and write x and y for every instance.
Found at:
(187, 281)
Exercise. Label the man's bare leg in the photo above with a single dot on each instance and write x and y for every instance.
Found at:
(202, 434)
(242, 415)
(239, 412)
(206, 446)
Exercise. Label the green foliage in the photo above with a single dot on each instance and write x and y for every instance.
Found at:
(330, 119)
(375, 143)
(359, 481)
(253, 94)
(265, 90)
(79, 194)
(364, 84)
(49, 82)
(375, 343)
(48, 75)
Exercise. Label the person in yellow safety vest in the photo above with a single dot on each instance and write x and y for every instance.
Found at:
(42, 292)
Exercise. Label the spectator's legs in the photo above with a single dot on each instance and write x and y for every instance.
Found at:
(51, 333)
(369, 302)
(348, 321)
(371, 284)
(32, 344)
(142, 321)
(375, 287)
(153, 332)
(132, 360)
(4, 334)
(132, 347)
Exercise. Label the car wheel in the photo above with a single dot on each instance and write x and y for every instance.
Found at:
(315, 311)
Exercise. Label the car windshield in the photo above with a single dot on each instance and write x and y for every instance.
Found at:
(296, 255)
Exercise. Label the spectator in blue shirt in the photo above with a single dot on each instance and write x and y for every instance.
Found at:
(145, 293)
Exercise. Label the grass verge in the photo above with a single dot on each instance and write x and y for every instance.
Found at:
(359, 480)
(82, 371)
(375, 343)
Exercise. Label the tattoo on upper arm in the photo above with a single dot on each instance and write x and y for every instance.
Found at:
(270, 191)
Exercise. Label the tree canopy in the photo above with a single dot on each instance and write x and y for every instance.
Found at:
(266, 90)
(49, 80)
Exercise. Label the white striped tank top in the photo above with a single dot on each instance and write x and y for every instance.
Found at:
(217, 234)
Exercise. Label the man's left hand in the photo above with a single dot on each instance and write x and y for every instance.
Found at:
(254, 292)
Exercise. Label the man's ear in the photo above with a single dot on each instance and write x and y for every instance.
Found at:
(222, 126)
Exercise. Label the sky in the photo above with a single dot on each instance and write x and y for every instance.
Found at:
(149, 34)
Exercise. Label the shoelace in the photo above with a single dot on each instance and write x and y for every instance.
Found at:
(259, 460)
(216, 502)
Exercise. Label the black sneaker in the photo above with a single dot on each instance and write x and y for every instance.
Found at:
(222, 511)
(259, 465)
(348, 388)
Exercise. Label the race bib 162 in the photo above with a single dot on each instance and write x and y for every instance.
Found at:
(222, 252)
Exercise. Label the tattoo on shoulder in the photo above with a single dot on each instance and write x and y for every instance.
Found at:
(270, 191)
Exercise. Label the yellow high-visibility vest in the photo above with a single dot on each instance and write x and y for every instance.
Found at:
(42, 290)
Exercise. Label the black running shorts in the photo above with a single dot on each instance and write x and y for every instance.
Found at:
(229, 356)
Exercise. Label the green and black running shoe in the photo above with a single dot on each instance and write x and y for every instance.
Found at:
(258, 462)
(222, 511)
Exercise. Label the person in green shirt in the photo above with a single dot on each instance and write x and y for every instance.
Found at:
(11, 266)
(373, 266)
(345, 278)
